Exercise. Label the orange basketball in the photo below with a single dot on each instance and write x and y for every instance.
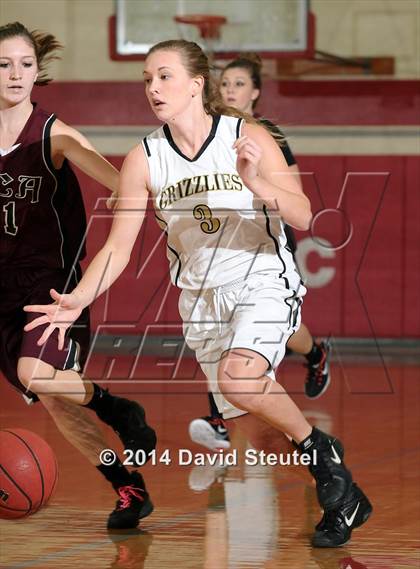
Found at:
(28, 473)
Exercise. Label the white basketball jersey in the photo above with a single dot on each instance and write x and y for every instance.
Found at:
(218, 231)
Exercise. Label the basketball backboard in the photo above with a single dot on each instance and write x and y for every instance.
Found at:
(273, 28)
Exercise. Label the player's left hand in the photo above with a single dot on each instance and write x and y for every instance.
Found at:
(249, 156)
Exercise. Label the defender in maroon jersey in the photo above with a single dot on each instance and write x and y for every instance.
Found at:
(42, 230)
(41, 237)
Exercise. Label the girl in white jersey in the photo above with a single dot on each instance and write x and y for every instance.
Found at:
(221, 190)
(240, 86)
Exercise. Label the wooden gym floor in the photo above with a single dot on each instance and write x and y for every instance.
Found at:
(248, 517)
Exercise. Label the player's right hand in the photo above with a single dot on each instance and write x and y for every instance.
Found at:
(59, 315)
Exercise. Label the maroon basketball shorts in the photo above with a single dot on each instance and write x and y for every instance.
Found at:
(32, 286)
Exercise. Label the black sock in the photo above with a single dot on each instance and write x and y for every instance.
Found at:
(101, 401)
(308, 442)
(310, 446)
(314, 356)
(116, 473)
(214, 411)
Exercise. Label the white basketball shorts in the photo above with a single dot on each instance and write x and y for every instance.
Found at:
(258, 314)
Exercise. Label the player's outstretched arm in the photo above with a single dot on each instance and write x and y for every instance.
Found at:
(71, 144)
(111, 260)
(264, 170)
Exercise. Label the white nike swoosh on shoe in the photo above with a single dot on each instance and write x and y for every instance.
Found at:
(350, 520)
(335, 458)
(221, 430)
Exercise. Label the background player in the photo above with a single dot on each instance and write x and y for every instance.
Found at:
(206, 172)
(42, 229)
(240, 87)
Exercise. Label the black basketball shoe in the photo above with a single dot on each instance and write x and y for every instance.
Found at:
(128, 419)
(336, 526)
(133, 504)
(333, 479)
(318, 377)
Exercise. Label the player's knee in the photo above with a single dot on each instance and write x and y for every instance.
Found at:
(25, 372)
(241, 367)
(239, 393)
(245, 401)
(241, 376)
(241, 363)
(30, 371)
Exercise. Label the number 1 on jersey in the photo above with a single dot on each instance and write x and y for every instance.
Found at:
(9, 218)
(209, 224)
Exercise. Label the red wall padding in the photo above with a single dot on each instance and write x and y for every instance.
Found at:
(286, 102)
(373, 289)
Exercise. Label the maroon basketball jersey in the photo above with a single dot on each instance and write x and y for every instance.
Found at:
(42, 216)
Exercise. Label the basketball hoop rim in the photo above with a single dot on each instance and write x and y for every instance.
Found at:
(198, 19)
(208, 24)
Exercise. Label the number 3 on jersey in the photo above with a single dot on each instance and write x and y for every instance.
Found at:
(9, 218)
(209, 224)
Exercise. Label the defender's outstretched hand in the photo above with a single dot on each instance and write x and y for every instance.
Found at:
(59, 315)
